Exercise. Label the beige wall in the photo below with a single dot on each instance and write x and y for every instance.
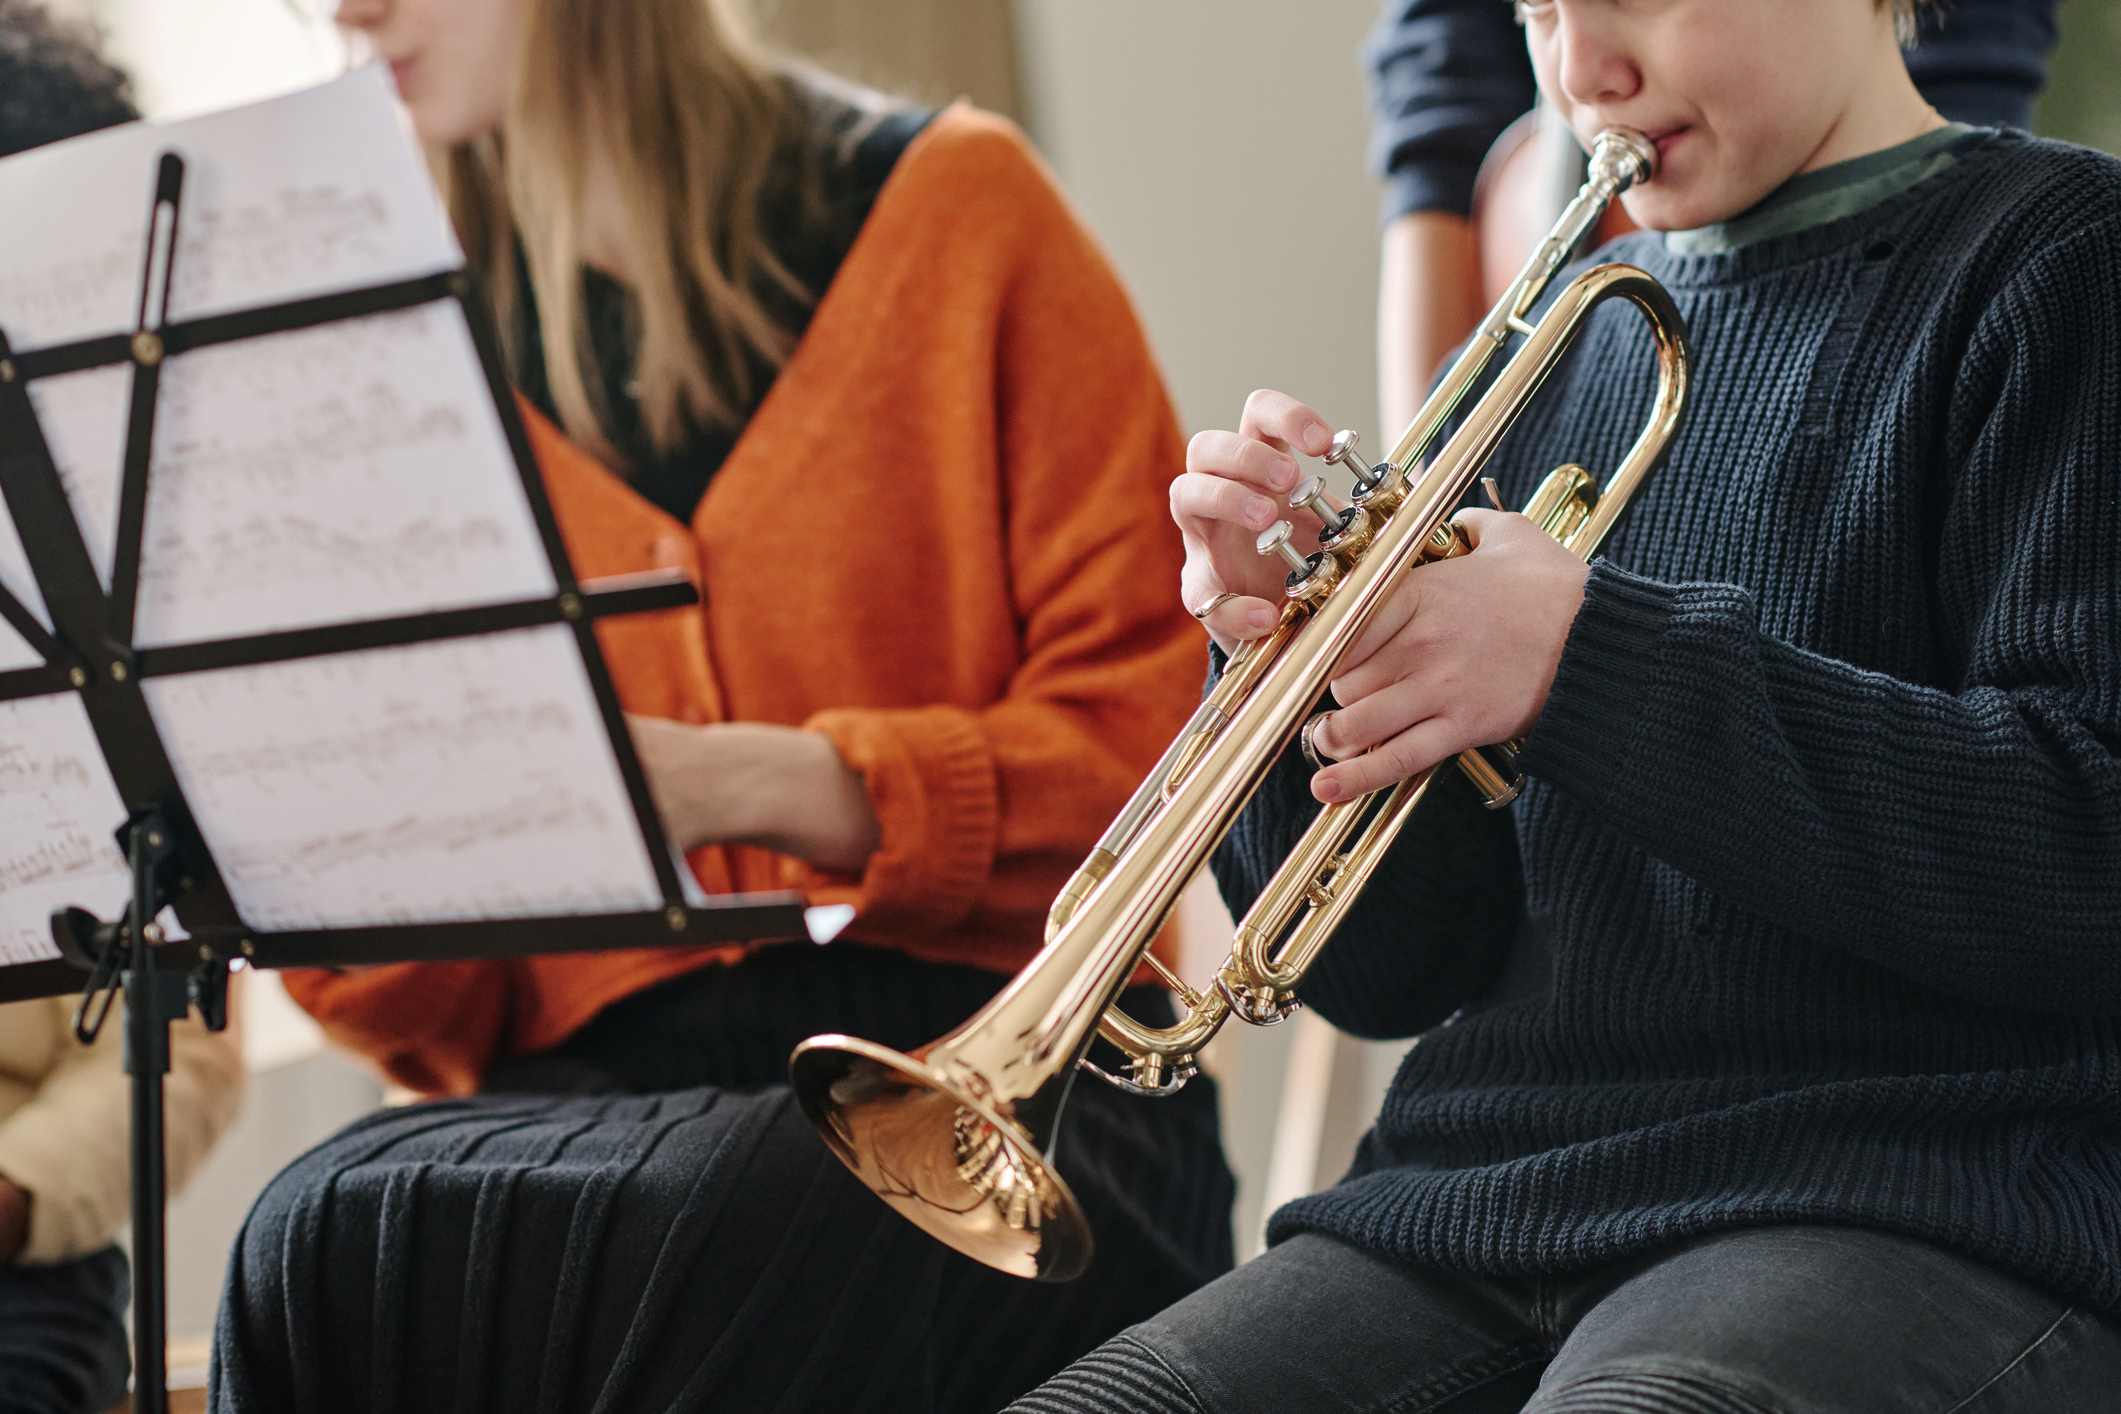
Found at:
(932, 50)
(1216, 147)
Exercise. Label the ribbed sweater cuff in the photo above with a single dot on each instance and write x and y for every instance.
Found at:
(1607, 666)
(931, 779)
(1428, 186)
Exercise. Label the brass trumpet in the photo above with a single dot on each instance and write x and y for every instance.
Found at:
(958, 1136)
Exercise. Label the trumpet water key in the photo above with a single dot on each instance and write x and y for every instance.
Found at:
(958, 1135)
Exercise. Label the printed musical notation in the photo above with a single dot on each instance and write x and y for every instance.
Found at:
(302, 195)
(354, 471)
(446, 781)
(73, 292)
(83, 419)
(58, 807)
(298, 237)
(347, 472)
(16, 579)
(14, 653)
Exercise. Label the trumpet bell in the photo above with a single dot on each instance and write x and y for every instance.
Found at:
(949, 1162)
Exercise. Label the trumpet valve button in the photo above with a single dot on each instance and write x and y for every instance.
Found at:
(1311, 492)
(1345, 442)
(1274, 540)
(1344, 452)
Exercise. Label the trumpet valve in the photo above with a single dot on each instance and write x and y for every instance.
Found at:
(1344, 453)
(1309, 575)
(1446, 542)
(1274, 540)
(1311, 493)
(1382, 490)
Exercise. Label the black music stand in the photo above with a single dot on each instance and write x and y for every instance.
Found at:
(90, 651)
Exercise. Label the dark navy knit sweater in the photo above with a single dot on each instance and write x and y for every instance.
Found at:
(1811, 911)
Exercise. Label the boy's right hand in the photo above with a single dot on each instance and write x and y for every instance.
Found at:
(1236, 485)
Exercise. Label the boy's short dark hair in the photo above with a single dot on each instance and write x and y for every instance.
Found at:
(53, 84)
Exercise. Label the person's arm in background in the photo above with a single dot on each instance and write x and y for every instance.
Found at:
(66, 1152)
(1446, 77)
(1985, 61)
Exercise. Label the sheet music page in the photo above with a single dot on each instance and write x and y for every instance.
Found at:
(58, 808)
(17, 580)
(14, 652)
(319, 191)
(82, 416)
(457, 780)
(353, 471)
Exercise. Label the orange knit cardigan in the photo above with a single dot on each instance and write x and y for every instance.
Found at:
(943, 541)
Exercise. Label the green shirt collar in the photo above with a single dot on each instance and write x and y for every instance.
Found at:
(1815, 198)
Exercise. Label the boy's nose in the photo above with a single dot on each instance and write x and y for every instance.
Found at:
(1595, 64)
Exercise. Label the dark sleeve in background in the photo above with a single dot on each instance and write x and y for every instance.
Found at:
(1985, 61)
(1447, 76)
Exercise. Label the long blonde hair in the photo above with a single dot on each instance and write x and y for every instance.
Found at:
(672, 98)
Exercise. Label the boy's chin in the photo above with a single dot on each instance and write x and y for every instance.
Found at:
(1659, 210)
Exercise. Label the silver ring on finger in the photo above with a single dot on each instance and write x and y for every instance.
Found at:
(1308, 740)
(1211, 606)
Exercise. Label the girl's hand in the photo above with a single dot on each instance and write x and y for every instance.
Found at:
(1237, 484)
(776, 787)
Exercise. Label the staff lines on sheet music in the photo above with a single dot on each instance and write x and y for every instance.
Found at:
(337, 352)
(406, 732)
(57, 811)
(328, 475)
(297, 236)
(23, 774)
(449, 780)
(339, 428)
(74, 292)
(289, 547)
(300, 234)
(553, 810)
(65, 853)
(495, 902)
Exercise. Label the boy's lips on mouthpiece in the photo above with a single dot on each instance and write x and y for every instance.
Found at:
(1664, 139)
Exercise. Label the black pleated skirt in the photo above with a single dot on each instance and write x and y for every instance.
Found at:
(594, 1237)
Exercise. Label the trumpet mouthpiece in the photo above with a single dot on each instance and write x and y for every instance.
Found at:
(1623, 155)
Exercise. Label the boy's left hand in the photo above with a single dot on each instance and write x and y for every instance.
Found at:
(1462, 655)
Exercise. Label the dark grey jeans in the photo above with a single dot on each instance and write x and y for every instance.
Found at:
(1796, 1320)
(62, 1336)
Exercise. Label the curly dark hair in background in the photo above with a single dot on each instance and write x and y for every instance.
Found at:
(53, 84)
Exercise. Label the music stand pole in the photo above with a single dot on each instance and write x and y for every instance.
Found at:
(153, 999)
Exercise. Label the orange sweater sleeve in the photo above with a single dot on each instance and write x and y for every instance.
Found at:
(990, 809)
(433, 1026)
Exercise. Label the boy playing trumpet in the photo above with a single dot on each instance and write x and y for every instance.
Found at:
(1769, 1048)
